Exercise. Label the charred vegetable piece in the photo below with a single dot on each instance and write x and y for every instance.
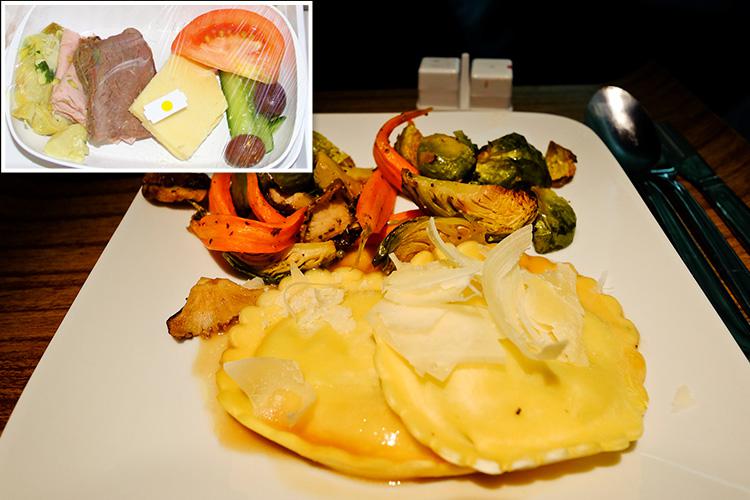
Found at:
(288, 203)
(330, 215)
(220, 196)
(229, 233)
(555, 224)
(511, 162)
(293, 182)
(272, 268)
(263, 210)
(561, 163)
(464, 139)
(386, 157)
(410, 237)
(496, 210)
(407, 143)
(175, 188)
(212, 306)
(322, 144)
(327, 171)
(375, 205)
(441, 156)
(238, 191)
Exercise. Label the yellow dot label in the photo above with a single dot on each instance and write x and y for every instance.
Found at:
(166, 106)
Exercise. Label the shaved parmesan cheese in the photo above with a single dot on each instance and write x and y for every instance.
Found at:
(540, 313)
(450, 250)
(312, 305)
(432, 283)
(276, 388)
(436, 339)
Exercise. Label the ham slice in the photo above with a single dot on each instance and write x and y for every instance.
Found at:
(68, 98)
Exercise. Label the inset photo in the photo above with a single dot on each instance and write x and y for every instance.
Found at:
(152, 87)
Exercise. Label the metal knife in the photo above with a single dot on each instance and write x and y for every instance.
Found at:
(678, 152)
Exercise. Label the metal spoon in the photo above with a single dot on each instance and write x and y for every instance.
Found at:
(627, 130)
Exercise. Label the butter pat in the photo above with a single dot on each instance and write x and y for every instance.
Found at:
(183, 132)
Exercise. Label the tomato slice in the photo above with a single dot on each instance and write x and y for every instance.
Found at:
(233, 40)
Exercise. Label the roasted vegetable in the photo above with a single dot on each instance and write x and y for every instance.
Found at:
(287, 193)
(260, 207)
(410, 237)
(220, 196)
(561, 163)
(212, 306)
(498, 211)
(407, 142)
(329, 216)
(441, 156)
(326, 171)
(288, 203)
(375, 205)
(555, 224)
(386, 157)
(292, 182)
(322, 144)
(511, 162)
(273, 267)
(464, 139)
(229, 233)
(175, 188)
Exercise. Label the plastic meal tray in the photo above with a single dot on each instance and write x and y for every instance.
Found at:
(159, 25)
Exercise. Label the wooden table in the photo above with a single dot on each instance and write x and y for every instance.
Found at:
(55, 226)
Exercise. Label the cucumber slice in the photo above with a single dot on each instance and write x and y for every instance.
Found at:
(241, 114)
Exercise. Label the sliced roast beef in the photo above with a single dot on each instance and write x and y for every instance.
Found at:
(113, 72)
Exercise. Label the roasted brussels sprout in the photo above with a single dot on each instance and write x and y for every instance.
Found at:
(410, 237)
(555, 225)
(407, 143)
(561, 163)
(464, 139)
(496, 210)
(511, 162)
(321, 143)
(326, 171)
(273, 267)
(441, 156)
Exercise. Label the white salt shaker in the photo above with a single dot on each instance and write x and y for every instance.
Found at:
(491, 83)
(439, 82)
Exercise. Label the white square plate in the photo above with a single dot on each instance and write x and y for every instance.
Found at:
(114, 411)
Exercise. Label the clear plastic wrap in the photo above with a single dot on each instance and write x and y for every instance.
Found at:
(168, 88)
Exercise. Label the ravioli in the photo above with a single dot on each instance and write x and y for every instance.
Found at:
(523, 413)
(348, 426)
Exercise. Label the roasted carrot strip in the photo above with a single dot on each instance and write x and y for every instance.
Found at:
(258, 203)
(376, 203)
(386, 157)
(219, 195)
(228, 233)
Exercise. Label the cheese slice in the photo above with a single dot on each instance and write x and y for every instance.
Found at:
(184, 131)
